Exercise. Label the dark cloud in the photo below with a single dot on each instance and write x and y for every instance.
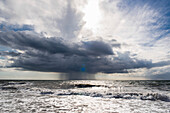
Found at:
(55, 55)
(161, 63)
(39, 61)
(6, 53)
(97, 48)
(162, 76)
(22, 41)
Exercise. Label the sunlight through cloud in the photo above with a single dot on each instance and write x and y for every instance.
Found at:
(92, 15)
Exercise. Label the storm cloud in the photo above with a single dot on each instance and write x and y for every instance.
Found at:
(6, 53)
(55, 55)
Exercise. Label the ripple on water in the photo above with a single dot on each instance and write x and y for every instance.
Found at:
(82, 96)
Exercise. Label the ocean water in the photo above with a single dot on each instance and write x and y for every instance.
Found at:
(85, 96)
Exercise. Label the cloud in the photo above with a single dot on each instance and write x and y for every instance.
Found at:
(5, 53)
(98, 48)
(161, 63)
(160, 72)
(54, 36)
(162, 76)
(143, 25)
(51, 18)
(23, 41)
(71, 23)
(55, 55)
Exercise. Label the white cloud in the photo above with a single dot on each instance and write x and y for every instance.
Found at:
(52, 18)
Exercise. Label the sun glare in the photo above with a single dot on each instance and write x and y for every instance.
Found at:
(92, 15)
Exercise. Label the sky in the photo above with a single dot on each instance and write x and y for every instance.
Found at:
(85, 39)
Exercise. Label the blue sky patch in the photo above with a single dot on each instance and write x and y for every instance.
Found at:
(5, 27)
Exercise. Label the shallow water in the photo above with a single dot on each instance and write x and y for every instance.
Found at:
(87, 96)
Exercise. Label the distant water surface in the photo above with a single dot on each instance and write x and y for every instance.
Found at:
(88, 96)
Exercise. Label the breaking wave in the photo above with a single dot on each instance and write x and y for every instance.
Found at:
(148, 96)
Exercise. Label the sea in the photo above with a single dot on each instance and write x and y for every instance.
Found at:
(84, 96)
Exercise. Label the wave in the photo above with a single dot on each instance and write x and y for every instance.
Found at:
(148, 96)
(61, 92)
